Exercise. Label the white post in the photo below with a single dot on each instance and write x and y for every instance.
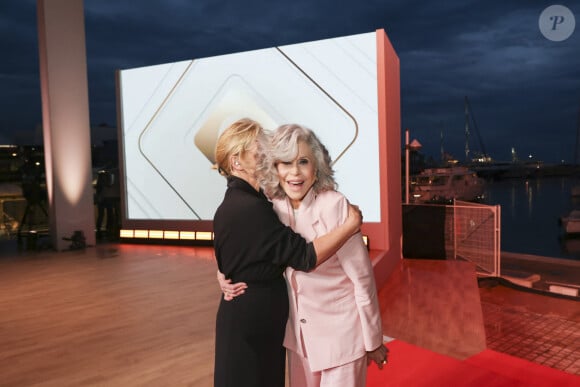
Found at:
(65, 120)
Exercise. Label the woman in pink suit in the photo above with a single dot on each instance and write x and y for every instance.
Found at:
(334, 325)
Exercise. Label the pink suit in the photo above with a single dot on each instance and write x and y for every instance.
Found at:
(334, 309)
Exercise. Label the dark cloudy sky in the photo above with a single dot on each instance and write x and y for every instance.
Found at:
(524, 89)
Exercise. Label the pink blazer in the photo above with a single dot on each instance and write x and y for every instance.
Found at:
(334, 307)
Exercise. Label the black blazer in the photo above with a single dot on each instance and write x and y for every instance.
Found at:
(251, 244)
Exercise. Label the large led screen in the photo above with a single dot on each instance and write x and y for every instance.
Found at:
(172, 114)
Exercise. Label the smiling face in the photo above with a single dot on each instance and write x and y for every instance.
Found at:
(298, 176)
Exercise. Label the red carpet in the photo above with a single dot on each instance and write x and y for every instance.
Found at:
(413, 366)
(530, 374)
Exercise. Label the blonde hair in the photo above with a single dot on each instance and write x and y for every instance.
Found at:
(236, 140)
(285, 148)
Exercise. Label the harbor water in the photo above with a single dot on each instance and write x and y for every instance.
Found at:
(530, 214)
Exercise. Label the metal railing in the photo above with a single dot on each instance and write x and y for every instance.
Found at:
(462, 231)
(12, 213)
(476, 232)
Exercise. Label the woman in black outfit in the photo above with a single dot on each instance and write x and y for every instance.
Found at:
(253, 246)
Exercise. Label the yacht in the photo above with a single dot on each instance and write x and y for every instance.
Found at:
(571, 223)
(443, 185)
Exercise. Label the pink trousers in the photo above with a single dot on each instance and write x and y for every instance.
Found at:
(352, 374)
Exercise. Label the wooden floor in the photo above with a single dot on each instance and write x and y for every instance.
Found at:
(143, 315)
(126, 315)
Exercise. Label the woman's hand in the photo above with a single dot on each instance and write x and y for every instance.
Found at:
(229, 289)
(354, 218)
(379, 356)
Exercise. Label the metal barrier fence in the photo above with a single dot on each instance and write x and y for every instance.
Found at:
(464, 230)
(477, 235)
(14, 210)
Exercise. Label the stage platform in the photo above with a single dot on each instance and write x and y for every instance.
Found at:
(143, 315)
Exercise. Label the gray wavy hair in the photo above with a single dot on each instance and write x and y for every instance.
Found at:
(284, 147)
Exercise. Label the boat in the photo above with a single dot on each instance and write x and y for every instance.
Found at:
(444, 185)
(571, 223)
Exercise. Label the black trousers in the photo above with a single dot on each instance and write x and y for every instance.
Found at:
(249, 336)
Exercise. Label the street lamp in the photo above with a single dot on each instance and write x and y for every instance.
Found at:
(413, 146)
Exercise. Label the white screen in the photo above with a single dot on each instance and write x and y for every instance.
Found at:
(172, 114)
